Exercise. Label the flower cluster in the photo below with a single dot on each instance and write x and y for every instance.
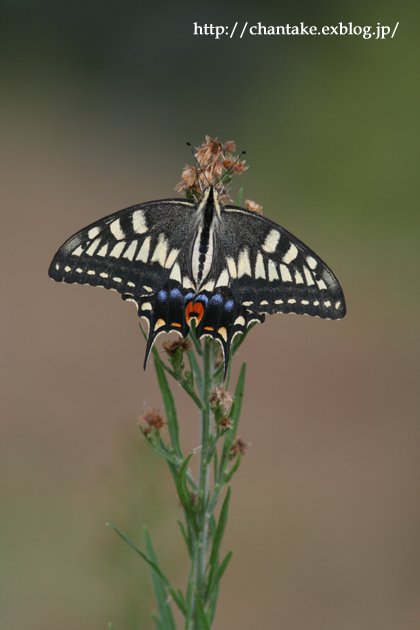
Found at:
(151, 420)
(215, 164)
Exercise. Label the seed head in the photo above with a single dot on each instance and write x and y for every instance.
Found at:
(170, 347)
(254, 207)
(219, 397)
(239, 446)
(214, 160)
(151, 420)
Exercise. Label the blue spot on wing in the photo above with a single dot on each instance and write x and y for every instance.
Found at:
(216, 299)
(229, 305)
(175, 293)
(162, 296)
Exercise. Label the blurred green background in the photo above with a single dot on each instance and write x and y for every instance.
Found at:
(98, 101)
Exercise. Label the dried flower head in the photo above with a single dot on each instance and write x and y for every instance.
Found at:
(171, 347)
(253, 206)
(219, 397)
(215, 161)
(239, 446)
(225, 424)
(151, 420)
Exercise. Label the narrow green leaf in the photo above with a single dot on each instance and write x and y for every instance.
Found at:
(195, 368)
(170, 408)
(185, 537)
(223, 566)
(201, 615)
(150, 562)
(110, 626)
(179, 602)
(239, 199)
(160, 587)
(211, 609)
(217, 542)
(184, 493)
(228, 475)
(157, 621)
(237, 403)
(239, 339)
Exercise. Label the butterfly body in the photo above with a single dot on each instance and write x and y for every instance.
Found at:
(179, 260)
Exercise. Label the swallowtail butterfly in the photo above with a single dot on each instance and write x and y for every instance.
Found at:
(220, 264)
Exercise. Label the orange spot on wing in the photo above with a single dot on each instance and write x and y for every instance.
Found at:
(208, 328)
(176, 324)
(194, 310)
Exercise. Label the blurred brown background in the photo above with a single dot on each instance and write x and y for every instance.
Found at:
(98, 101)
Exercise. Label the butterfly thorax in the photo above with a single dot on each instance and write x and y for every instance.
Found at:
(203, 247)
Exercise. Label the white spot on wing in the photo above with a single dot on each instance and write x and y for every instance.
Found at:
(291, 254)
(223, 280)
(264, 302)
(171, 258)
(311, 262)
(148, 288)
(278, 302)
(316, 303)
(247, 303)
(161, 250)
(271, 241)
(321, 284)
(139, 222)
(117, 230)
(117, 250)
(327, 303)
(131, 250)
(239, 321)
(131, 284)
(209, 286)
(93, 246)
(91, 272)
(291, 301)
(285, 274)
(77, 251)
(104, 275)
(144, 250)
(272, 271)
(93, 232)
(244, 266)
(103, 250)
(298, 278)
(305, 302)
(337, 304)
(79, 270)
(232, 267)
(187, 284)
(176, 273)
(67, 268)
(117, 279)
(259, 267)
(146, 306)
(308, 276)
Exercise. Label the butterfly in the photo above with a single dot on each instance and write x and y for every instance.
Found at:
(180, 260)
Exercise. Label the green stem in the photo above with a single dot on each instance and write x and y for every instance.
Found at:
(203, 538)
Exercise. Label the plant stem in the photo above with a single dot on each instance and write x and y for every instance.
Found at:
(202, 540)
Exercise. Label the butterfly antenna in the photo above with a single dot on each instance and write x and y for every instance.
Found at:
(198, 167)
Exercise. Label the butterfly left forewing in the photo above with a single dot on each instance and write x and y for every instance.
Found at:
(133, 250)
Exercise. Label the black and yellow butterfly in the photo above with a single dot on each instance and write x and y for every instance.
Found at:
(223, 265)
